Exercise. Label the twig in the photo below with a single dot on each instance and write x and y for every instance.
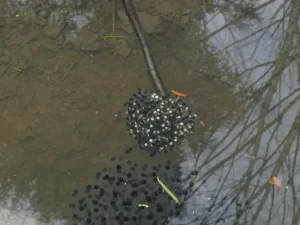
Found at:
(113, 37)
(139, 31)
(113, 16)
(56, 68)
(4, 96)
(70, 68)
(16, 69)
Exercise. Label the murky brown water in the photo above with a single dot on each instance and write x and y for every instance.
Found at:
(67, 68)
(63, 83)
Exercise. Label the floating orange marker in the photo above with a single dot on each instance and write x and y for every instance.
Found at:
(178, 93)
(275, 181)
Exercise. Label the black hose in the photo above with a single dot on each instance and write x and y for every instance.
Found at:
(152, 69)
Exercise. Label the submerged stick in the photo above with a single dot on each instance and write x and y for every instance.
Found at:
(158, 121)
(152, 69)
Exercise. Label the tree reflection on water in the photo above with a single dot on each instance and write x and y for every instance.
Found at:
(258, 41)
(246, 153)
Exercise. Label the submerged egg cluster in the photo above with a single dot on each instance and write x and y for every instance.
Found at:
(128, 193)
(158, 123)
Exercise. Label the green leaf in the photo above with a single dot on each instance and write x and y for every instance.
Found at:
(168, 191)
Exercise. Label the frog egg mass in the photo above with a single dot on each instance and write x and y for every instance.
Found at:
(158, 123)
(128, 193)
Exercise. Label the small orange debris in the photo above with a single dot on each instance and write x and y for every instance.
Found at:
(275, 181)
(178, 93)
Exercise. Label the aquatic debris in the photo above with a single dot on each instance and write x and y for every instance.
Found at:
(275, 181)
(178, 93)
(114, 37)
(168, 191)
(158, 123)
(129, 193)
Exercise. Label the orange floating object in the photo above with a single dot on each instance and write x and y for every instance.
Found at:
(275, 181)
(178, 93)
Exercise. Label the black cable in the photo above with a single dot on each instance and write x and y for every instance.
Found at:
(139, 31)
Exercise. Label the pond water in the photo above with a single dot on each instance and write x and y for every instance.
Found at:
(68, 66)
